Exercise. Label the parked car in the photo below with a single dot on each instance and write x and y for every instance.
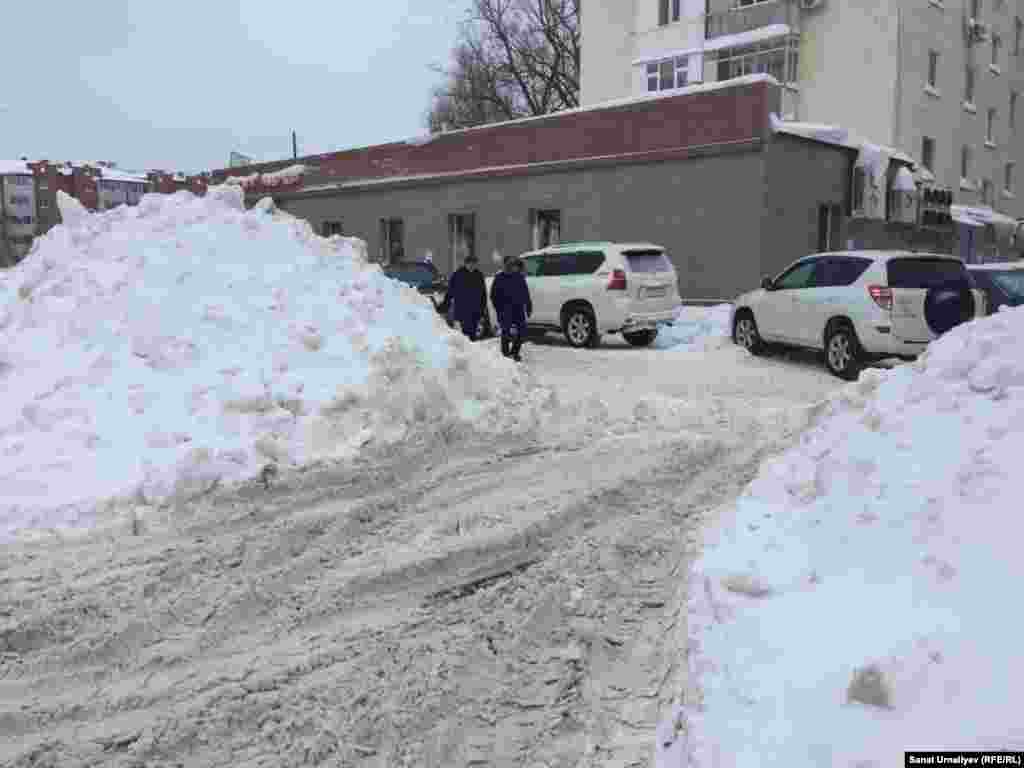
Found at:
(1002, 284)
(421, 275)
(857, 306)
(585, 290)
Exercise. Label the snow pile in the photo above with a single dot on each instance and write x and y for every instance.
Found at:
(696, 328)
(859, 600)
(150, 353)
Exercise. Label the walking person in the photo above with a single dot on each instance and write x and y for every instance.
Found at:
(468, 292)
(510, 296)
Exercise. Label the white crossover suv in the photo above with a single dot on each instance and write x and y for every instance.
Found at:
(858, 306)
(585, 290)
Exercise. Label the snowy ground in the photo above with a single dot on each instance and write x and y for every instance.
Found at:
(857, 600)
(493, 597)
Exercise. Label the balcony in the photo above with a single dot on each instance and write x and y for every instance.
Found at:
(749, 17)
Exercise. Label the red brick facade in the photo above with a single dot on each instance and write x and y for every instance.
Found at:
(720, 116)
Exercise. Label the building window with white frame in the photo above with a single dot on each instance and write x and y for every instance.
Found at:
(667, 74)
(762, 58)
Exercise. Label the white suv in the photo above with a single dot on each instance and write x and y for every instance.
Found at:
(585, 290)
(858, 306)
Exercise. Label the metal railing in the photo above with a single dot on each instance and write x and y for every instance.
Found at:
(748, 17)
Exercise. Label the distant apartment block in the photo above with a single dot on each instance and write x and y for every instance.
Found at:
(28, 195)
(937, 79)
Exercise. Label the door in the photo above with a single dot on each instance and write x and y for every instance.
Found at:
(909, 278)
(777, 314)
(825, 296)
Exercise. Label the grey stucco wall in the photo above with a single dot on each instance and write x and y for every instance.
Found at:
(705, 210)
(800, 175)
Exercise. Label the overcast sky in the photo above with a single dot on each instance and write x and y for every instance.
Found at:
(179, 85)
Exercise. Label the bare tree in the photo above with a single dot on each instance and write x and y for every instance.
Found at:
(513, 58)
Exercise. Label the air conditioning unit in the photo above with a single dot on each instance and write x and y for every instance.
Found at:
(810, 5)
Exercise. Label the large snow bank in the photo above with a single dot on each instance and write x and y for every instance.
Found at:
(696, 328)
(859, 599)
(148, 353)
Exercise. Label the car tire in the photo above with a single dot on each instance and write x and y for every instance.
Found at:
(640, 338)
(580, 327)
(745, 333)
(844, 356)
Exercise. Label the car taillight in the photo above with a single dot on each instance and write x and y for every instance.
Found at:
(617, 282)
(881, 295)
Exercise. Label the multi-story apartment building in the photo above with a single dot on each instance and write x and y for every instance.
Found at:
(938, 79)
(28, 195)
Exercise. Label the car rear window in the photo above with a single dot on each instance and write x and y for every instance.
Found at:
(924, 272)
(648, 261)
(1011, 281)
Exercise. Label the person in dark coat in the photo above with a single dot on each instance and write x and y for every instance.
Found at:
(467, 291)
(510, 296)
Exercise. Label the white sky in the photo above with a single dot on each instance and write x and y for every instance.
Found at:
(179, 85)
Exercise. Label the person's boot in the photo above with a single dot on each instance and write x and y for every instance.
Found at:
(505, 346)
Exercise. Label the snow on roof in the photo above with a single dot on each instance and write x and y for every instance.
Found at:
(112, 174)
(837, 135)
(14, 167)
(725, 41)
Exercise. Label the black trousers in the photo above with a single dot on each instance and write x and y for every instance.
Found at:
(471, 325)
(511, 340)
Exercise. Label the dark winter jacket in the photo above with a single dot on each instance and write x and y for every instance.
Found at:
(467, 291)
(511, 299)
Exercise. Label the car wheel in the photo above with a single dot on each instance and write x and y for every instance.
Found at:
(640, 338)
(843, 354)
(746, 335)
(580, 327)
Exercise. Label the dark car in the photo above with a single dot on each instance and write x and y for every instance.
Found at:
(421, 275)
(1003, 284)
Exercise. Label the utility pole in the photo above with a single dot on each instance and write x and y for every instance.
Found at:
(295, 146)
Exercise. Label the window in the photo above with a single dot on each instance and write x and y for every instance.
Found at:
(330, 228)
(1008, 177)
(667, 74)
(965, 161)
(976, 9)
(43, 203)
(828, 227)
(923, 272)
(392, 240)
(1013, 110)
(839, 271)
(662, 13)
(675, 10)
(546, 227)
(572, 263)
(996, 45)
(933, 68)
(461, 236)
(648, 261)
(798, 276)
(1018, 32)
(859, 179)
(986, 192)
(762, 58)
(928, 153)
(990, 126)
(969, 85)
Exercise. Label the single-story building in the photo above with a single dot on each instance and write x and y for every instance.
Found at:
(707, 171)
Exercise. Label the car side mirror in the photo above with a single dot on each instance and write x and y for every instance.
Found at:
(767, 284)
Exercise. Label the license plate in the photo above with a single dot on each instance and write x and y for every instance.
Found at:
(652, 293)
